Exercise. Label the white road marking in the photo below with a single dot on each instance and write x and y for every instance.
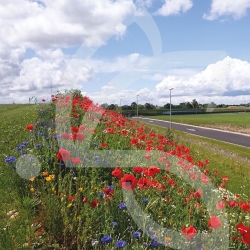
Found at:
(191, 129)
(151, 121)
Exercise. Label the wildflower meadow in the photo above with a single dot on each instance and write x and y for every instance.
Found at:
(93, 179)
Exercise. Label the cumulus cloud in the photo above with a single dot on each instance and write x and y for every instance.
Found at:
(236, 9)
(174, 7)
(224, 77)
(48, 24)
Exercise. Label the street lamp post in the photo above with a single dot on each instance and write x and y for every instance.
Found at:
(137, 106)
(121, 105)
(170, 109)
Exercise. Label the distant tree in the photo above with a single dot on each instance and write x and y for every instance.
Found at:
(133, 105)
(126, 107)
(104, 105)
(112, 107)
(167, 106)
(189, 105)
(194, 103)
(149, 106)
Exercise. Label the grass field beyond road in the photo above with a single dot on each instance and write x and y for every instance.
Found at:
(237, 122)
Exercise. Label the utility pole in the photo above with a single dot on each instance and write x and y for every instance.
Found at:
(170, 109)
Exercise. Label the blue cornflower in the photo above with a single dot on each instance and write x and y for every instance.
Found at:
(122, 205)
(95, 144)
(56, 136)
(38, 145)
(111, 187)
(136, 234)
(10, 159)
(106, 239)
(101, 195)
(154, 244)
(25, 143)
(114, 223)
(20, 147)
(120, 244)
(144, 200)
(153, 236)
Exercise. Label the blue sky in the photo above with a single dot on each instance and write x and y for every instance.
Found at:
(113, 50)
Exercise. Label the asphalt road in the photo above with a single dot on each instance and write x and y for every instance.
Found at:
(225, 136)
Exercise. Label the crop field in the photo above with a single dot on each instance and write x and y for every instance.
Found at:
(107, 182)
(237, 122)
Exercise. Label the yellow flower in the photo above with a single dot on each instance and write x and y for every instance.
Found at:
(170, 221)
(160, 213)
(80, 189)
(32, 179)
(32, 190)
(45, 174)
(55, 132)
(95, 188)
(69, 205)
(53, 190)
(52, 176)
(167, 239)
(48, 179)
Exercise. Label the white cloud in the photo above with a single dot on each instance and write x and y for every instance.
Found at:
(236, 9)
(61, 23)
(107, 87)
(174, 7)
(224, 77)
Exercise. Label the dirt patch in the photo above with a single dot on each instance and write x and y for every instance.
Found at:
(243, 130)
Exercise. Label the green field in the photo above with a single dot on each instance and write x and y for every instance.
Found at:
(238, 122)
(230, 160)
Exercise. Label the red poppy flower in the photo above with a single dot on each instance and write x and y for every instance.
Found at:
(63, 155)
(105, 145)
(204, 179)
(78, 137)
(84, 200)
(134, 141)
(43, 100)
(233, 203)
(108, 191)
(94, 203)
(71, 198)
(189, 232)
(214, 222)
(30, 127)
(245, 206)
(151, 171)
(198, 194)
(171, 182)
(138, 170)
(245, 232)
(65, 136)
(143, 183)
(74, 129)
(76, 160)
(221, 205)
(82, 127)
(128, 182)
(117, 173)
(225, 178)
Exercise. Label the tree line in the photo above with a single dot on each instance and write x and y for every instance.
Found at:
(183, 105)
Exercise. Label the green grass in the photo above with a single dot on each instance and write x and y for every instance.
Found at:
(230, 160)
(233, 119)
(13, 120)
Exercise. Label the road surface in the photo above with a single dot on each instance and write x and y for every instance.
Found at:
(225, 136)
